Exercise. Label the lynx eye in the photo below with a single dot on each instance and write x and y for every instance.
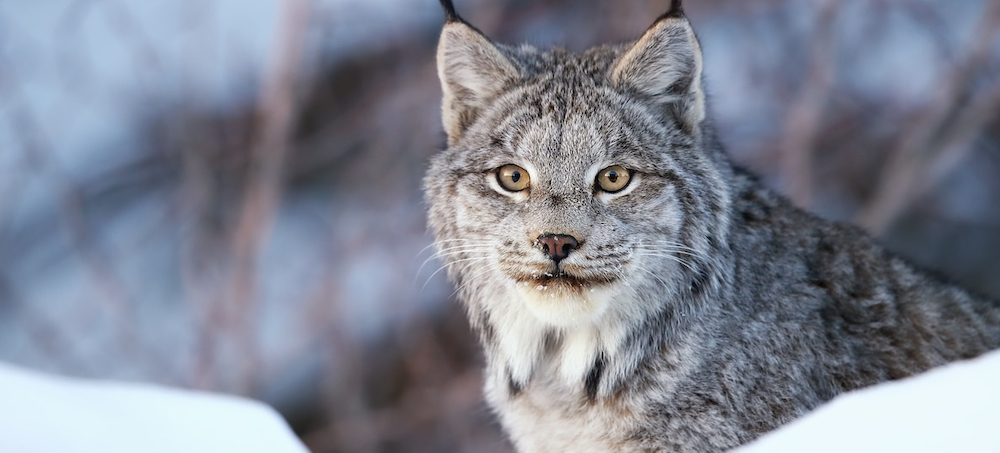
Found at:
(613, 179)
(513, 178)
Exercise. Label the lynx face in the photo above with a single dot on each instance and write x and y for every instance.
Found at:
(571, 208)
(575, 192)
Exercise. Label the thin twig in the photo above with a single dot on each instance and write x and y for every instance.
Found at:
(276, 112)
(805, 116)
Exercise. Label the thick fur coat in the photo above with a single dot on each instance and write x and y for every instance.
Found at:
(635, 291)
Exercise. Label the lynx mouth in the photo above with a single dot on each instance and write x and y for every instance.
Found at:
(560, 281)
(565, 299)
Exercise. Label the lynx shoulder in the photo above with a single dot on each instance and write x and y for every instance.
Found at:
(635, 291)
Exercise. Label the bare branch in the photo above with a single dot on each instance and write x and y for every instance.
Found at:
(276, 113)
(909, 172)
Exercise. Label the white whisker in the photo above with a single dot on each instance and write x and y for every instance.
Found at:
(453, 251)
(471, 278)
(671, 257)
(478, 258)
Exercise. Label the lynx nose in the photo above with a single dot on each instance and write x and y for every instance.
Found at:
(556, 246)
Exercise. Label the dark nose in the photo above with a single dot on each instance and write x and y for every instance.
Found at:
(556, 246)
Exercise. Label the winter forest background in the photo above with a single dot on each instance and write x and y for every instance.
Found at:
(225, 195)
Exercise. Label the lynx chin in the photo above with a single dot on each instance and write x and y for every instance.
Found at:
(633, 290)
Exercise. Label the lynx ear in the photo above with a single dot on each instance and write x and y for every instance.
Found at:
(665, 65)
(472, 72)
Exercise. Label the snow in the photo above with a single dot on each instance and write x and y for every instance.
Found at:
(48, 414)
(953, 408)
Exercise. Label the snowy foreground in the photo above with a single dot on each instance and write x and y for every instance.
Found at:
(954, 408)
(951, 409)
(47, 414)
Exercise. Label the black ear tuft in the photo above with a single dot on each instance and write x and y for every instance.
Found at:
(674, 12)
(449, 12)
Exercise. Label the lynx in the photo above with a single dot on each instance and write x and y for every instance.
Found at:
(633, 289)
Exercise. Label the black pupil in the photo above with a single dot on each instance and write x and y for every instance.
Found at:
(515, 176)
(613, 176)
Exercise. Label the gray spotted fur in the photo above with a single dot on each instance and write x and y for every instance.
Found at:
(705, 310)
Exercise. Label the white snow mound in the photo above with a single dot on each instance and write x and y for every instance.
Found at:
(955, 408)
(47, 414)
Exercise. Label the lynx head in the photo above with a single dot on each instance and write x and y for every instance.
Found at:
(577, 188)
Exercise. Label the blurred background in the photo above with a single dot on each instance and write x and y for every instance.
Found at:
(225, 195)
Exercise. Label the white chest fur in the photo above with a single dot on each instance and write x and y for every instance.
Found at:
(539, 389)
(547, 417)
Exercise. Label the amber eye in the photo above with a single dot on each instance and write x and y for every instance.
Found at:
(513, 178)
(613, 179)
